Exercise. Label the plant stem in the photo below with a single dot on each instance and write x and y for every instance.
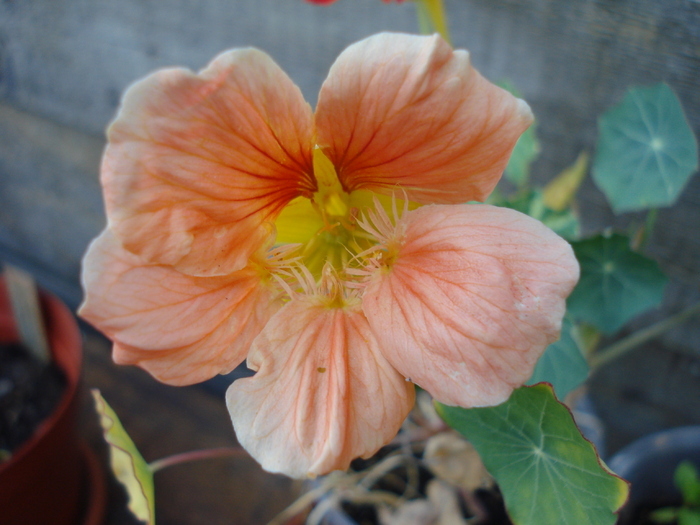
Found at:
(341, 482)
(643, 235)
(431, 18)
(195, 455)
(309, 498)
(626, 344)
(649, 225)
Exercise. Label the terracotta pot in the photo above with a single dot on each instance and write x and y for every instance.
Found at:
(649, 464)
(53, 478)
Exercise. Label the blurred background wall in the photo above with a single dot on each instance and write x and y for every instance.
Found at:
(65, 63)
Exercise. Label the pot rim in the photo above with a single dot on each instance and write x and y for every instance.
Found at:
(649, 464)
(684, 438)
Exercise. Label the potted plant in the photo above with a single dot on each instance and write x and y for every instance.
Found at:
(51, 478)
(141, 284)
(651, 464)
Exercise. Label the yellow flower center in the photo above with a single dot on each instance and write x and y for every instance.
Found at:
(326, 225)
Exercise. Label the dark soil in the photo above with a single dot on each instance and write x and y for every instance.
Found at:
(29, 391)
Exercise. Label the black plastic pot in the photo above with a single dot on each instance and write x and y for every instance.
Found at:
(649, 464)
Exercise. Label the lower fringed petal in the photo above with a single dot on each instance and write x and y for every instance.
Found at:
(470, 301)
(182, 329)
(323, 393)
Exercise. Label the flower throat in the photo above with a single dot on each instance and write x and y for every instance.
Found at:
(326, 225)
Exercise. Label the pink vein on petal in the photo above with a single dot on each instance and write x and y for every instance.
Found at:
(182, 329)
(197, 163)
(399, 110)
(474, 296)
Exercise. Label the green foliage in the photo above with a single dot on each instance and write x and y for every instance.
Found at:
(548, 473)
(128, 465)
(560, 191)
(526, 149)
(646, 150)
(562, 364)
(531, 202)
(616, 283)
(688, 517)
(687, 480)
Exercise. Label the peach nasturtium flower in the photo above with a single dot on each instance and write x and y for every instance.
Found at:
(331, 249)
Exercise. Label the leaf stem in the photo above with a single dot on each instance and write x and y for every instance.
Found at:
(352, 485)
(649, 225)
(633, 340)
(195, 455)
(645, 231)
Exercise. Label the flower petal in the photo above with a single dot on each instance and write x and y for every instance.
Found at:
(408, 111)
(474, 295)
(196, 163)
(323, 394)
(182, 329)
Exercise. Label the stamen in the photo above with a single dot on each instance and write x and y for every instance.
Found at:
(309, 283)
(388, 236)
(281, 256)
(378, 224)
(365, 222)
(284, 285)
(342, 237)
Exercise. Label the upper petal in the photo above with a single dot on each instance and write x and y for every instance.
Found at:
(408, 111)
(182, 329)
(196, 163)
(473, 297)
(323, 393)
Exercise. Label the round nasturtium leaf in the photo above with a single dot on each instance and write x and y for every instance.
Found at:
(562, 364)
(616, 283)
(548, 473)
(129, 467)
(646, 150)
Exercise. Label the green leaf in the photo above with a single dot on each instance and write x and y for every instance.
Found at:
(560, 191)
(128, 465)
(548, 473)
(562, 364)
(526, 149)
(616, 283)
(688, 517)
(646, 150)
(687, 481)
(564, 223)
(665, 515)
